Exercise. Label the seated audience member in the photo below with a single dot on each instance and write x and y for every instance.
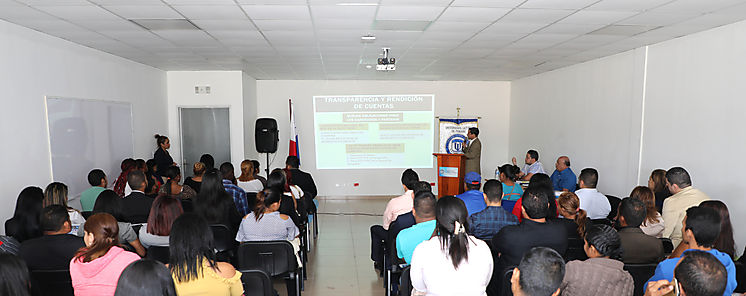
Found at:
(56, 194)
(136, 205)
(95, 269)
(214, 204)
(653, 223)
(422, 186)
(638, 246)
(25, 221)
(303, 179)
(153, 183)
(229, 183)
(451, 262)
(8, 244)
(128, 165)
(698, 273)
(657, 182)
(172, 187)
(266, 223)
(145, 277)
(55, 249)
(725, 242)
(110, 203)
(164, 211)
(98, 182)
(700, 227)
(540, 182)
(396, 206)
(602, 273)
(472, 197)
(575, 221)
(540, 273)
(534, 231)
(674, 207)
(208, 160)
(257, 169)
(246, 180)
(195, 182)
(563, 178)
(485, 224)
(532, 166)
(512, 191)
(424, 215)
(288, 206)
(593, 202)
(294, 191)
(192, 261)
(14, 275)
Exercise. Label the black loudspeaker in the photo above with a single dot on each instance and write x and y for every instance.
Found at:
(266, 135)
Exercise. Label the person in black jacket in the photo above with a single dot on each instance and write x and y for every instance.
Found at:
(136, 206)
(163, 160)
(56, 248)
(301, 178)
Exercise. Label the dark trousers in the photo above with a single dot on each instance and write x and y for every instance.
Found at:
(377, 238)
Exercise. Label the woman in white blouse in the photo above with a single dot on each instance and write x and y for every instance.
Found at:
(451, 262)
(653, 223)
(246, 181)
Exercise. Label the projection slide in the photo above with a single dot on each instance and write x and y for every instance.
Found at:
(375, 131)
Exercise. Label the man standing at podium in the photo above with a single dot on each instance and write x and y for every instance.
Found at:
(472, 151)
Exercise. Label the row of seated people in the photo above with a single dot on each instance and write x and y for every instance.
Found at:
(509, 240)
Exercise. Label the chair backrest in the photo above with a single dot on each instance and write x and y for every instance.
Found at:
(273, 257)
(87, 214)
(224, 240)
(740, 275)
(506, 290)
(251, 199)
(575, 250)
(160, 254)
(256, 283)
(187, 205)
(614, 203)
(641, 273)
(405, 289)
(602, 221)
(395, 227)
(667, 245)
(52, 282)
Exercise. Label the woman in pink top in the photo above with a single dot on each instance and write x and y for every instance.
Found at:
(95, 269)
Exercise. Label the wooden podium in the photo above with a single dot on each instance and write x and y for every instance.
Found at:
(450, 174)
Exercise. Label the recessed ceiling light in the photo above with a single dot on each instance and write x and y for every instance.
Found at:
(368, 37)
(357, 4)
(368, 66)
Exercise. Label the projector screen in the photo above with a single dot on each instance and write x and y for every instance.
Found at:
(375, 131)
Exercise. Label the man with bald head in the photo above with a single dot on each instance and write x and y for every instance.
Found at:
(563, 178)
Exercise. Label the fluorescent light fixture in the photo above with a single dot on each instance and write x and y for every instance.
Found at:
(368, 37)
(357, 4)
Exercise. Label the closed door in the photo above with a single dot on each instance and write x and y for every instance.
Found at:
(204, 130)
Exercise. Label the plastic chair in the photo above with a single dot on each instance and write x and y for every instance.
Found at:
(575, 250)
(390, 257)
(52, 282)
(614, 203)
(256, 283)
(160, 254)
(740, 275)
(187, 205)
(251, 199)
(667, 245)
(276, 258)
(405, 289)
(313, 213)
(641, 273)
(506, 290)
(86, 214)
(224, 240)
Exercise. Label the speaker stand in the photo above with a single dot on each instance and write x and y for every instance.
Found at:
(267, 169)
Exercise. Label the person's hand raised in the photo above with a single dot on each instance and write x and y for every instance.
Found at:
(658, 288)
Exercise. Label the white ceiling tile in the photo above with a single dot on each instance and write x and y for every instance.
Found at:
(83, 13)
(558, 4)
(184, 37)
(144, 12)
(464, 27)
(335, 24)
(441, 3)
(199, 2)
(213, 12)
(536, 15)
(473, 14)
(596, 17)
(129, 2)
(656, 18)
(235, 25)
(231, 34)
(121, 25)
(284, 25)
(698, 6)
(571, 28)
(54, 3)
(277, 12)
(48, 25)
(627, 5)
(487, 3)
(502, 28)
(416, 13)
(343, 12)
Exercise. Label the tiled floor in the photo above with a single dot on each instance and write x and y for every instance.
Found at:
(339, 262)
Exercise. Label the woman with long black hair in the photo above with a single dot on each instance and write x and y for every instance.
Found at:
(25, 221)
(451, 262)
(214, 204)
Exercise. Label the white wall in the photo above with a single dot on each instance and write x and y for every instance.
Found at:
(589, 112)
(693, 115)
(490, 100)
(226, 91)
(35, 65)
(249, 116)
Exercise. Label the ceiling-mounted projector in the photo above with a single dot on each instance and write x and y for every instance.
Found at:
(386, 63)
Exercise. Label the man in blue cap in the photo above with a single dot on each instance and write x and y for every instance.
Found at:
(473, 198)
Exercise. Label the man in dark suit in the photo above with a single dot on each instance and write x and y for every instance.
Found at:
(56, 248)
(473, 152)
(638, 246)
(136, 206)
(513, 241)
(301, 178)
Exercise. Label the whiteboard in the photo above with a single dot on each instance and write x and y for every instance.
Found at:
(87, 134)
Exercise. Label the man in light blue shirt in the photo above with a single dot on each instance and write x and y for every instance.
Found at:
(701, 227)
(424, 214)
(473, 198)
(563, 178)
(533, 166)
